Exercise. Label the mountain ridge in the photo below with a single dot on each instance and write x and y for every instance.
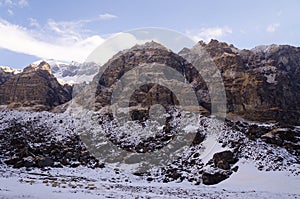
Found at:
(251, 77)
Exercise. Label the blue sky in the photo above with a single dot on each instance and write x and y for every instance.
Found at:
(69, 30)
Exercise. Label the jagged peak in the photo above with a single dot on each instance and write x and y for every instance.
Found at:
(264, 48)
(149, 45)
(34, 67)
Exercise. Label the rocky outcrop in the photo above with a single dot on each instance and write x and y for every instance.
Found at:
(261, 84)
(223, 160)
(214, 178)
(35, 87)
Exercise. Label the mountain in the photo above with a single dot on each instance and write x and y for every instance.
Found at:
(152, 59)
(257, 144)
(72, 72)
(34, 88)
(261, 84)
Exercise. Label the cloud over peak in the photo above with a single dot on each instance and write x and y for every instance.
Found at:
(206, 34)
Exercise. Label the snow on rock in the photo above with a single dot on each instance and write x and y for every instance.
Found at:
(262, 170)
(7, 69)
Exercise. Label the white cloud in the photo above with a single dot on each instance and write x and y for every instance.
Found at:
(71, 30)
(10, 12)
(23, 3)
(272, 27)
(206, 34)
(19, 39)
(8, 2)
(34, 23)
(107, 16)
(14, 3)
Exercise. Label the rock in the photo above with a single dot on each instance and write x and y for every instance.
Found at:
(223, 159)
(223, 165)
(18, 164)
(12, 161)
(44, 162)
(29, 161)
(75, 164)
(215, 178)
(235, 169)
(198, 138)
(284, 137)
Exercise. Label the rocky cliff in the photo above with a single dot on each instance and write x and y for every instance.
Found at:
(150, 58)
(261, 84)
(35, 88)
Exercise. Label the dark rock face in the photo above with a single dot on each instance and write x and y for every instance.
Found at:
(262, 84)
(215, 178)
(35, 87)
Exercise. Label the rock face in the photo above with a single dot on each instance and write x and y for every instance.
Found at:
(34, 87)
(147, 57)
(261, 84)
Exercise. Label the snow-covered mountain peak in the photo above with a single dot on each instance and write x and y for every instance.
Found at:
(7, 69)
(72, 72)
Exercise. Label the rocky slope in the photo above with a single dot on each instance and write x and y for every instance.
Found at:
(47, 140)
(35, 88)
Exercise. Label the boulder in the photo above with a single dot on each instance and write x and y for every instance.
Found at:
(214, 178)
(223, 159)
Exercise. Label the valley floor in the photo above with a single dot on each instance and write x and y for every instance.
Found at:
(84, 182)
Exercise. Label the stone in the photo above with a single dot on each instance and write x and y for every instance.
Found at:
(223, 159)
(211, 179)
(29, 161)
(44, 162)
(235, 169)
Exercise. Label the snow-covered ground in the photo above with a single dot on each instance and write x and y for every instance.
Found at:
(274, 180)
(108, 183)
